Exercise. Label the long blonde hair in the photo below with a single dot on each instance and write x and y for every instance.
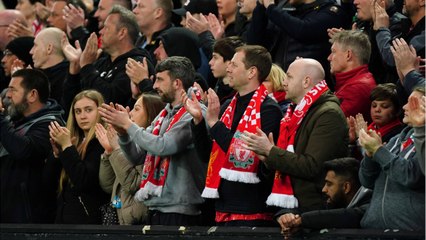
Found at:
(81, 142)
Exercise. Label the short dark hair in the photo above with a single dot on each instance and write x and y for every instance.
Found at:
(126, 20)
(347, 168)
(225, 47)
(179, 68)
(386, 91)
(34, 79)
(259, 57)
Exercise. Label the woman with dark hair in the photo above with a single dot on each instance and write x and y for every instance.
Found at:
(76, 146)
(117, 175)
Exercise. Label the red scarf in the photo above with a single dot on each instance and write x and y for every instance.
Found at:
(282, 192)
(155, 168)
(238, 164)
(385, 129)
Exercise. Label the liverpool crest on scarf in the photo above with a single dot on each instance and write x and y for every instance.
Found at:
(282, 192)
(155, 168)
(238, 164)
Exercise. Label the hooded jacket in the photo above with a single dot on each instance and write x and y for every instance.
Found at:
(398, 185)
(179, 41)
(26, 195)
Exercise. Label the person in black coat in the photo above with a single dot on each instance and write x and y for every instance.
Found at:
(27, 195)
(79, 152)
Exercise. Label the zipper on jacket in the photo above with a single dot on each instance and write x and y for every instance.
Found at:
(383, 201)
(84, 206)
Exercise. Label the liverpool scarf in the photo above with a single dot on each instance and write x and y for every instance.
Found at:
(282, 192)
(238, 164)
(155, 168)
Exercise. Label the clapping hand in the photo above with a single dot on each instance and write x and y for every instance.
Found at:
(192, 106)
(60, 135)
(117, 116)
(259, 143)
(370, 141)
(417, 110)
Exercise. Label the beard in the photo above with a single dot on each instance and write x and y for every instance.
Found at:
(16, 111)
(167, 97)
(338, 201)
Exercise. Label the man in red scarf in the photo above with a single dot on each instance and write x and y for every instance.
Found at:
(313, 131)
(236, 179)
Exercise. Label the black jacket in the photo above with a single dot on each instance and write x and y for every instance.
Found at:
(107, 77)
(57, 75)
(82, 196)
(26, 196)
(349, 217)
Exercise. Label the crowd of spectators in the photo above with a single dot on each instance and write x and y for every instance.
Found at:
(299, 114)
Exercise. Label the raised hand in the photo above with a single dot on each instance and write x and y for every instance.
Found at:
(405, 57)
(332, 31)
(117, 116)
(192, 106)
(213, 108)
(360, 123)
(352, 130)
(370, 141)
(19, 29)
(55, 148)
(197, 25)
(42, 11)
(73, 16)
(137, 71)
(17, 65)
(380, 17)
(90, 52)
(417, 110)
(112, 138)
(258, 142)
(216, 27)
(61, 135)
(101, 135)
(72, 54)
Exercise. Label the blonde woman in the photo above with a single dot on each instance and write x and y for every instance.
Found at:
(274, 83)
(75, 145)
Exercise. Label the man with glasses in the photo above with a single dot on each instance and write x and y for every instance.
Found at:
(17, 49)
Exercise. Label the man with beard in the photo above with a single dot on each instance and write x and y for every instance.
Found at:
(346, 200)
(173, 174)
(27, 192)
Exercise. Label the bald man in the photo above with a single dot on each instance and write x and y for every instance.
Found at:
(48, 56)
(7, 17)
(314, 131)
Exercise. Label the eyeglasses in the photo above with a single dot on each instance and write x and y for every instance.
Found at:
(7, 52)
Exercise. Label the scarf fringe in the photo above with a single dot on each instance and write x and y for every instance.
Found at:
(149, 189)
(210, 193)
(237, 176)
(282, 200)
